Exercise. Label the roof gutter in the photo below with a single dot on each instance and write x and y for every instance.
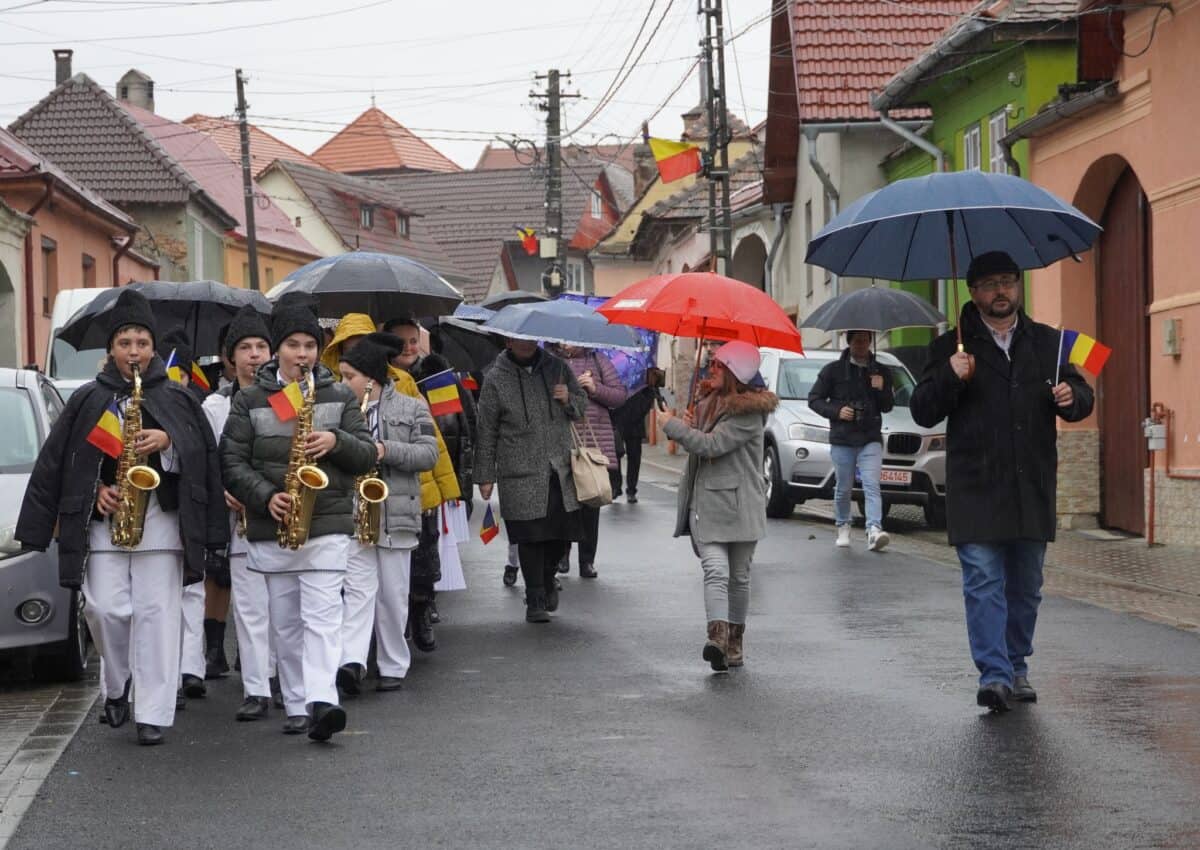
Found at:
(1052, 115)
(902, 85)
(116, 263)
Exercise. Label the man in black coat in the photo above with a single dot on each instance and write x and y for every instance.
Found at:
(1000, 399)
(132, 592)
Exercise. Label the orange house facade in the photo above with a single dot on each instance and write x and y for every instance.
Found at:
(1124, 151)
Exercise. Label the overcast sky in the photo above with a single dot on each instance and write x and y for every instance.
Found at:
(456, 72)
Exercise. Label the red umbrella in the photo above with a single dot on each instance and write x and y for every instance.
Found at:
(703, 305)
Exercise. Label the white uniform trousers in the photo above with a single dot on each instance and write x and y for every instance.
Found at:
(306, 624)
(134, 612)
(191, 655)
(252, 619)
(376, 593)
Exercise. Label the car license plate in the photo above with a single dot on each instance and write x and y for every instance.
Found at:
(895, 476)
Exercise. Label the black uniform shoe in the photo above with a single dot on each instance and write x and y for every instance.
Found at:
(564, 566)
(1022, 691)
(193, 686)
(510, 575)
(276, 693)
(102, 717)
(552, 596)
(149, 735)
(535, 607)
(389, 683)
(254, 708)
(117, 711)
(349, 678)
(215, 665)
(994, 696)
(434, 616)
(587, 571)
(327, 721)
(296, 724)
(632, 499)
(422, 628)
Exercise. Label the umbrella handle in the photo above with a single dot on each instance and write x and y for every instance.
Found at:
(954, 286)
(696, 371)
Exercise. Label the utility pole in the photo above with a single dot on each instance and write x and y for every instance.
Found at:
(247, 181)
(720, 227)
(552, 278)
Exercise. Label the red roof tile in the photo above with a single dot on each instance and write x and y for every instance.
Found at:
(374, 141)
(264, 148)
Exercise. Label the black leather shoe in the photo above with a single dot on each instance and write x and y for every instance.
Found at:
(564, 566)
(587, 571)
(510, 576)
(117, 711)
(276, 693)
(631, 499)
(535, 607)
(389, 683)
(254, 708)
(193, 686)
(422, 628)
(552, 597)
(994, 696)
(327, 721)
(1022, 691)
(349, 679)
(434, 616)
(215, 665)
(296, 724)
(149, 735)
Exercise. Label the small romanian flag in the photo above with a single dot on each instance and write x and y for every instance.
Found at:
(198, 377)
(287, 402)
(675, 160)
(442, 392)
(106, 436)
(173, 371)
(529, 240)
(490, 528)
(468, 381)
(1082, 350)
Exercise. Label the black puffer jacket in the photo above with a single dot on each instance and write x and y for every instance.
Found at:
(842, 383)
(458, 429)
(62, 487)
(256, 446)
(1001, 438)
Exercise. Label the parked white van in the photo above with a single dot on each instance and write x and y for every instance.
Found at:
(68, 368)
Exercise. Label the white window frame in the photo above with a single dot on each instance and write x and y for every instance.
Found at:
(573, 277)
(198, 245)
(597, 205)
(366, 216)
(997, 130)
(402, 224)
(972, 151)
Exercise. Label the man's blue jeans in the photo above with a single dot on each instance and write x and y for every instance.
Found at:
(869, 460)
(1002, 588)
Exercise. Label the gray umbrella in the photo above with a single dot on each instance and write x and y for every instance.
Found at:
(381, 285)
(565, 322)
(505, 299)
(874, 309)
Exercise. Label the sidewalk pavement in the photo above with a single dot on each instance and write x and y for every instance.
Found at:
(1159, 583)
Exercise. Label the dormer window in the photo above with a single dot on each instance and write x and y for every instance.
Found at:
(366, 216)
(401, 224)
(597, 205)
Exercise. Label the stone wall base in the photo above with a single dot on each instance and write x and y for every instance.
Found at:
(1176, 509)
(1078, 479)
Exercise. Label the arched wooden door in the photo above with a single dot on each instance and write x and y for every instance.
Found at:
(1123, 398)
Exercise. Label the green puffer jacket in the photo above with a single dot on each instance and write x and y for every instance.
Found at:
(255, 447)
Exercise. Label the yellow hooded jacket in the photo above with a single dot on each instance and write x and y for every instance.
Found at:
(438, 485)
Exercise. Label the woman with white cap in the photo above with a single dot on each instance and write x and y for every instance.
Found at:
(722, 495)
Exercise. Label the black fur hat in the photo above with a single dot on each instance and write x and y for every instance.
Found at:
(372, 353)
(131, 308)
(246, 323)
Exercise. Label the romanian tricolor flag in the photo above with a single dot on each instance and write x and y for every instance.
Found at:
(106, 436)
(287, 402)
(174, 372)
(468, 381)
(1082, 350)
(529, 240)
(675, 160)
(198, 377)
(490, 528)
(442, 392)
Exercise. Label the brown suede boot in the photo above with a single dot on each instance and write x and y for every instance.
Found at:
(718, 645)
(734, 656)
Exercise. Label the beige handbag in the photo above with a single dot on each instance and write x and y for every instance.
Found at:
(589, 469)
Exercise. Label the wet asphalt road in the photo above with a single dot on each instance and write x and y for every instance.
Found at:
(853, 725)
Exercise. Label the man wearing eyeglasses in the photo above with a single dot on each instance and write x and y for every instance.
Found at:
(1001, 400)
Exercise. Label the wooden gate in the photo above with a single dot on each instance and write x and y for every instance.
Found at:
(1123, 289)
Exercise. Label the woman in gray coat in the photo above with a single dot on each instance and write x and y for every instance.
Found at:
(722, 495)
(526, 407)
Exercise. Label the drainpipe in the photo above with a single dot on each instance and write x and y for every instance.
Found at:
(780, 229)
(116, 263)
(30, 337)
(831, 192)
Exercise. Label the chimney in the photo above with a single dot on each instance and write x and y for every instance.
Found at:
(644, 167)
(62, 65)
(136, 88)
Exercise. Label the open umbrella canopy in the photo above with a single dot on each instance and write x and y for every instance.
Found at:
(515, 296)
(874, 309)
(200, 307)
(706, 306)
(565, 322)
(467, 346)
(381, 285)
(902, 231)
(472, 313)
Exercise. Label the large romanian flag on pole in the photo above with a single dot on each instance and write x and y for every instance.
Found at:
(1083, 351)
(442, 392)
(106, 435)
(675, 160)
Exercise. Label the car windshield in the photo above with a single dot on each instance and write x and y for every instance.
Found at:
(18, 424)
(796, 377)
(69, 364)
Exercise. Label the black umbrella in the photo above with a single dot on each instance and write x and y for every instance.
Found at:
(381, 285)
(464, 344)
(200, 307)
(874, 309)
(515, 296)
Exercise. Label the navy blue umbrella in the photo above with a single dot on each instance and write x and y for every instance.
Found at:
(564, 322)
(930, 227)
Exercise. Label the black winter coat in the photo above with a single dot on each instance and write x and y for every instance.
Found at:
(62, 487)
(1001, 451)
(840, 383)
(458, 429)
(256, 447)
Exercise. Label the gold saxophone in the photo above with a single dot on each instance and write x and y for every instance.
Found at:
(372, 491)
(135, 479)
(303, 479)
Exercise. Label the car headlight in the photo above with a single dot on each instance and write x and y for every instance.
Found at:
(937, 444)
(811, 433)
(9, 545)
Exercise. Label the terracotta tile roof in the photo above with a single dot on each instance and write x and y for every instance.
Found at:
(338, 198)
(264, 148)
(692, 202)
(844, 50)
(492, 157)
(374, 141)
(221, 178)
